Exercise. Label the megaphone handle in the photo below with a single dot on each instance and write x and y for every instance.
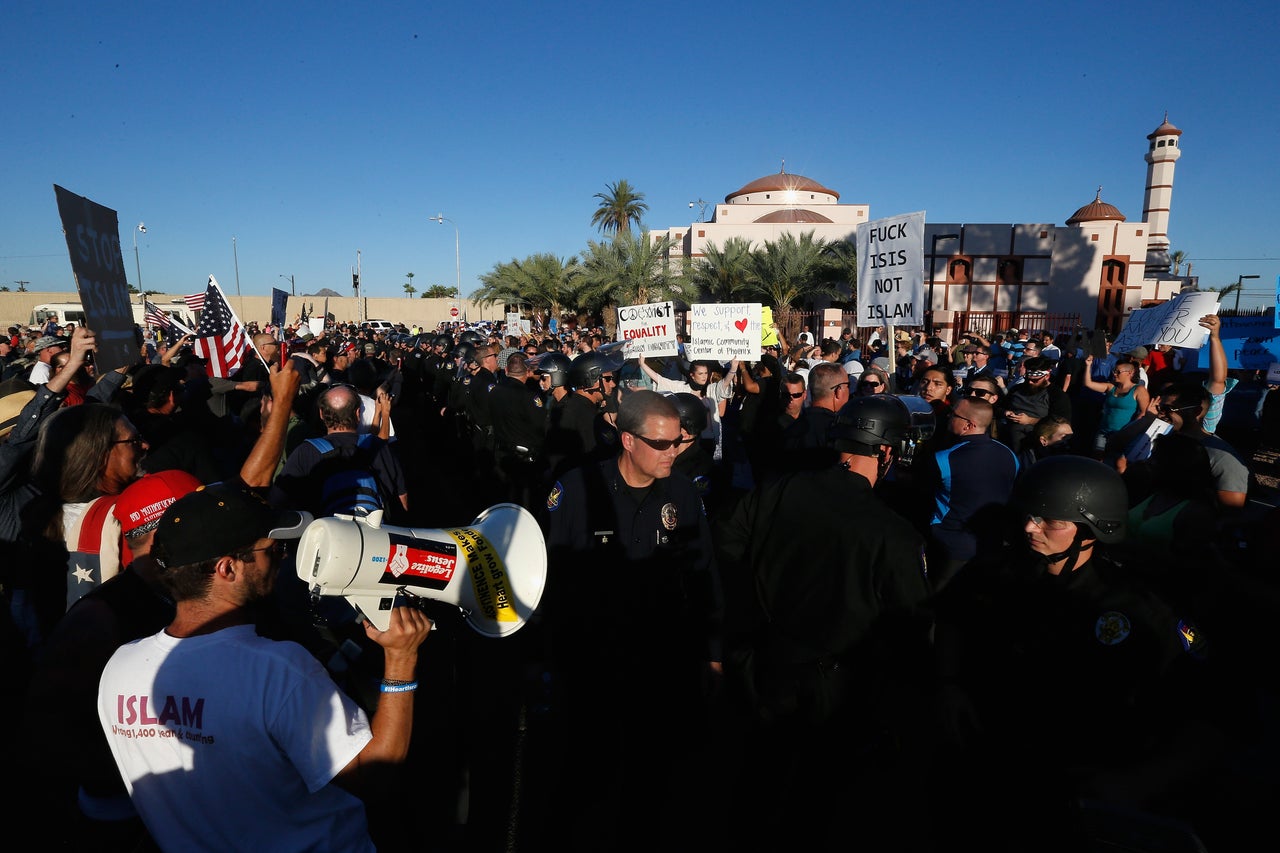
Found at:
(417, 601)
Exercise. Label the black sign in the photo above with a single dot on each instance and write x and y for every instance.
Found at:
(93, 241)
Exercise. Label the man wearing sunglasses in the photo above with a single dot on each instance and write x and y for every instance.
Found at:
(628, 543)
(805, 444)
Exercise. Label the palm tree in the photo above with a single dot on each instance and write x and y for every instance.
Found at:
(628, 270)
(1178, 258)
(543, 281)
(792, 270)
(724, 275)
(409, 289)
(618, 208)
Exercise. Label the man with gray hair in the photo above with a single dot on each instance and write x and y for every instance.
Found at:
(804, 443)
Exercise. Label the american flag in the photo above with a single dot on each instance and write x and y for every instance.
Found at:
(195, 301)
(155, 316)
(220, 339)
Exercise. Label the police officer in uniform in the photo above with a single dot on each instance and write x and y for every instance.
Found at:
(576, 436)
(825, 588)
(694, 461)
(632, 610)
(1064, 676)
(519, 431)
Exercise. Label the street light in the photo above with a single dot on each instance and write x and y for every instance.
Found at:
(457, 255)
(702, 208)
(1240, 287)
(928, 317)
(137, 263)
(291, 290)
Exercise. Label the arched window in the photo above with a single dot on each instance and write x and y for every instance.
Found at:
(1114, 272)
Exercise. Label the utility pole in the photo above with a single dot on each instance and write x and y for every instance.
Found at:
(22, 286)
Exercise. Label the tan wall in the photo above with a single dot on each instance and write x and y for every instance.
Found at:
(15, 308)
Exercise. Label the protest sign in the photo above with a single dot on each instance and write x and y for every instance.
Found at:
(93, 241)
(1250, 343)
(1175, 323)
(724, 332)
(649, 329)
(891, 271)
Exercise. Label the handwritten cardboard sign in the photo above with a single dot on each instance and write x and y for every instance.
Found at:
(1175, 323)
(648, 329)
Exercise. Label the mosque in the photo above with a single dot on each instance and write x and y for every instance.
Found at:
(1098, 266)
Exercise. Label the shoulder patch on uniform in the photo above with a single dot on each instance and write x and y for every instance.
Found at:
(554, 497)
(702, 483)
(1112, 628)
(1192, 639)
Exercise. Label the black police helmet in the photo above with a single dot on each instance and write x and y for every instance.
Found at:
(443, 341)
(586, 369)
(471, 336)
(554, 364)
(693, 413)
(1078, 489)
(464, 351)
(869, 422)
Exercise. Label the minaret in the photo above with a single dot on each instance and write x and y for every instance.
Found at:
(1162, 155)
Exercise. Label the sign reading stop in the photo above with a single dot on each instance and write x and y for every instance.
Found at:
(453, 312)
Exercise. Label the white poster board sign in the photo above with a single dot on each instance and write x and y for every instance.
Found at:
(648, 329)
(724, 332)
(891, 271)
(1176, 323)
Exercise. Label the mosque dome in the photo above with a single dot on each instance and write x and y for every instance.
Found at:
(1164, 129)
(1096, 211)
(792, 214)
(783, 188)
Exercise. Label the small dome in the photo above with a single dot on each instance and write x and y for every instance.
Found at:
(1164, 129)
(1096, 211)
(793, 214)
(781, 182)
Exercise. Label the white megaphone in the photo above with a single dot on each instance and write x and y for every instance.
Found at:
(494, 570)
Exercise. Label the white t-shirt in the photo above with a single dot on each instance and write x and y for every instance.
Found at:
(229, 741)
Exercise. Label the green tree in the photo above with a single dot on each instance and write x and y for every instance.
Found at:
(790, 271)
(626, 270)
(618, 208)
(1178, 258)
(440, 291)
(544, 282)
(724, 275)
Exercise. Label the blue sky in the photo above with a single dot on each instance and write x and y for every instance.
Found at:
(308, 132)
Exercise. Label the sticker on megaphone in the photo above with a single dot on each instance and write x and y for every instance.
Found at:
(493, 570)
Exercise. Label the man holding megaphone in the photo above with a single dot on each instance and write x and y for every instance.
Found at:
(208, 709)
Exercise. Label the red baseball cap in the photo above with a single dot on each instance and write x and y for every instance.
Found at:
(139, 507)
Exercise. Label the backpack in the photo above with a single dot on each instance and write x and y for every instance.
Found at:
(348, 485)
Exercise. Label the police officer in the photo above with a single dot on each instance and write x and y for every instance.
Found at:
(694, 461)
(580, 434)
(632, 608)
(824, 594)
(519, 430)
(1062, 675)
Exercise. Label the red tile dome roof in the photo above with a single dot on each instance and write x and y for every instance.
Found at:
(793, 214)
(780, 183)
(1096, 211)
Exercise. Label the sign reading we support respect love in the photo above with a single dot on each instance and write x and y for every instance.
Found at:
(649, 329)
(891, 271)
(724, 332)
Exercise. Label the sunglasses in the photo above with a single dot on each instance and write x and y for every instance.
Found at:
(137, 441)
(869, 384)
(608, 377)
(796, 396)
(1168, 410)
(978, 392)
(661, 444)
(1037, 374)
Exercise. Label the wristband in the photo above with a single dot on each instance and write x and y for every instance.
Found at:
(399, 686)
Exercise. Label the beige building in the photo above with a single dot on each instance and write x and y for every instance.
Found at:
(1097, 265)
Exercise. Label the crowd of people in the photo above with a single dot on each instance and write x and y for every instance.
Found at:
(1006, 592)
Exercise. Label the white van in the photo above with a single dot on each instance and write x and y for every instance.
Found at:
(378, 325)
(73, 312)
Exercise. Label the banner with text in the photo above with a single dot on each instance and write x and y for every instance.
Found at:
(93, 241)
(724, 332)
(648, 329)
(891, 271)
(1250, 343)
(1175, 323)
